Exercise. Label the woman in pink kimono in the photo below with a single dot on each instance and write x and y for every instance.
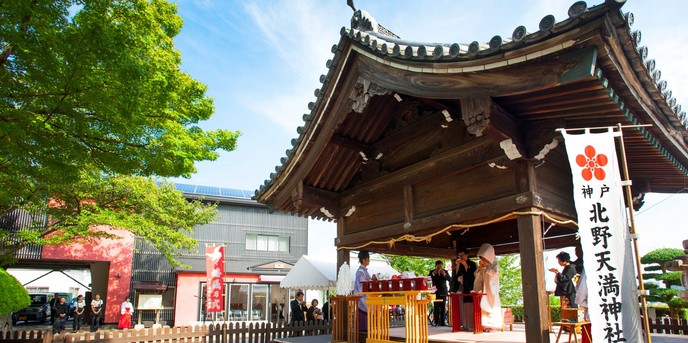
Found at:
(487, 283)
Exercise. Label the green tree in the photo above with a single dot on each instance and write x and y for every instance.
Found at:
(420, 266)
(655, 261)
(659, 256)
(14, 296)
(91, 94)
(510, 285)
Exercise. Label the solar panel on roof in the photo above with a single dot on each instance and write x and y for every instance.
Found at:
(185, 188)
(229, 192)
(208, 190)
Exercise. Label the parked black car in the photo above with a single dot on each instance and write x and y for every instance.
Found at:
(39, 310)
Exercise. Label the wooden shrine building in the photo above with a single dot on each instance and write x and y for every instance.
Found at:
(419, 149)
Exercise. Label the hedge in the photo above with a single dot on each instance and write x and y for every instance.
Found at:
(13, 296)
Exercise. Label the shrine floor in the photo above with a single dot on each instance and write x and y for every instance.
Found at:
(444, 334)
(518, 335)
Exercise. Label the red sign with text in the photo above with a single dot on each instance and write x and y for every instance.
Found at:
(215, 269)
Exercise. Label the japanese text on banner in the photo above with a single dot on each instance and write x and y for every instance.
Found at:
(215, 270)
(603, 230)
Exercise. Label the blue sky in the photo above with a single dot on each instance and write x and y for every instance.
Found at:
(262, 61)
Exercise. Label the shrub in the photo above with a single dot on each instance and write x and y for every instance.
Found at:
(13, 296)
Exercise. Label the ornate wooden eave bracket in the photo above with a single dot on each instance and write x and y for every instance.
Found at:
(542, 137)
(327, 202)
(363, 91)
(483, 116)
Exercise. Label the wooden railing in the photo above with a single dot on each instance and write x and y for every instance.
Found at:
(345, 319)
(670, 326)
(224, 333)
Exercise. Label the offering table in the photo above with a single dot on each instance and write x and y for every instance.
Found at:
(455, 301)
(416, 314)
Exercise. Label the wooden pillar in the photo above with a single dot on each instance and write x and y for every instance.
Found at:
(535, 298)
(342, 255)
(342, 323)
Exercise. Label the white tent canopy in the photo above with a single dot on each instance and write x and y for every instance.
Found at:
(310, 273)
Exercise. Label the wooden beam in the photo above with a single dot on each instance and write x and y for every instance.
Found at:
(434, 166)
(316, 198)
(412, 128)
(353, 145)
(535, 297)
(423, 226)
(405, 249)
(408, 203)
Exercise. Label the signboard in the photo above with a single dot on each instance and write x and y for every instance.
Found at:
(603, 229)
(215, 271)
(150, 301)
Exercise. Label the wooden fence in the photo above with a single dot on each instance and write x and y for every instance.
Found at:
(670, 326)
(218, 333)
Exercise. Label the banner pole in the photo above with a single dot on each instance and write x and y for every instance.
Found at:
(629, 202)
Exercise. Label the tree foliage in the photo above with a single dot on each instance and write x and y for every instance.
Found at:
(510, 284)
(660, 256)
(14, 296)
(420, 266)
(670, 278)
(665, 295)
(92, 93)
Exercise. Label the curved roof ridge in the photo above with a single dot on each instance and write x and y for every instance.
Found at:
(367, 33)
(364, 25)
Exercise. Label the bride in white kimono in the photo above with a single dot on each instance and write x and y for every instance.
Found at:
(487, 283)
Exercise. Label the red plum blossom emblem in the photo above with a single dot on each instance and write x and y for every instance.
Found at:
(592, 164)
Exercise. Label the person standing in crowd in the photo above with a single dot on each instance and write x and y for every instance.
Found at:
(313, 312)
(463, 281)
(487, 284)
(298, 307)
(362, 275)
(565, 289)
(327, 308)
(440, 277)
(96, 312)
(127, 310)
(53, 310)
(79, 308)
(61, 312)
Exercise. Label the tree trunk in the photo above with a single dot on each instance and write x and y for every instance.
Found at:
(5, 324)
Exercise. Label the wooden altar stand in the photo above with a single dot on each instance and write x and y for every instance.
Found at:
(416, 315)
(572, 320)
(455, 301)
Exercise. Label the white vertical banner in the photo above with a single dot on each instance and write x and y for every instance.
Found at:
(603, 228)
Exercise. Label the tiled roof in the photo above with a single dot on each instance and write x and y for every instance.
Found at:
(370, 38)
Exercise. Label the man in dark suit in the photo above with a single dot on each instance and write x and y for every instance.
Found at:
(464, 277)
(327, 309)
(298, 309)
(53, 309)
(440, 277)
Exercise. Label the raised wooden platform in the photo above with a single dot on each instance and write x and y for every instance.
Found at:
(443, 334)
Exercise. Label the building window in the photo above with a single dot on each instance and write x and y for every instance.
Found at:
(267, 243)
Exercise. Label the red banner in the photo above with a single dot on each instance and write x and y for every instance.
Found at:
(215, 269)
